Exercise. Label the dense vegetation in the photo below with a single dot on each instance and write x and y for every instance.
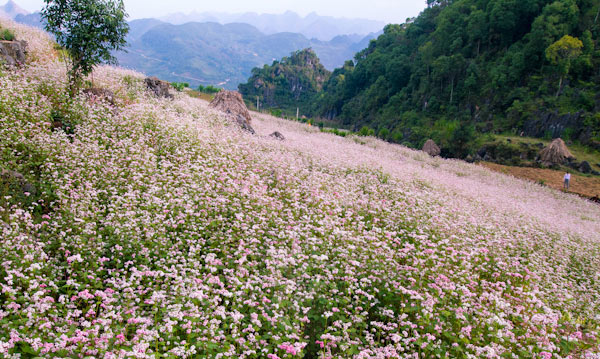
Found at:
(288, 84)
(467, 67)
(6, 35)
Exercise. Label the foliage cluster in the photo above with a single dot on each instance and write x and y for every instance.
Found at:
(210, 89)
(6, 35)
(457, 70)
(179, 86)
(88, 30)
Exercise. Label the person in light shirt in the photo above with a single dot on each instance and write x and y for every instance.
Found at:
(567, 180)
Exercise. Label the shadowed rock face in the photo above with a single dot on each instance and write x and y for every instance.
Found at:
(232, 103)
(158, 87)
(13, 53)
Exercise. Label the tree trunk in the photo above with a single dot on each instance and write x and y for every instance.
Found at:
(451, 90)
(560, 85)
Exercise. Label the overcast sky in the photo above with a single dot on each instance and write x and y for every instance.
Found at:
(391, 11)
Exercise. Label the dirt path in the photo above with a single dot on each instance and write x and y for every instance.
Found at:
(584, 186)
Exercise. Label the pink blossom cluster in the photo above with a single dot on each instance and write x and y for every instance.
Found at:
(171, 233)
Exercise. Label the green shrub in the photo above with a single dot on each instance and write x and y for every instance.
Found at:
(366, 131)
(276, 112)
(6, 35)
(210, 89)
(179, 86)
(384, 133)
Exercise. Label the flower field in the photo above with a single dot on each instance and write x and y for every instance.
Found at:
(157, 229)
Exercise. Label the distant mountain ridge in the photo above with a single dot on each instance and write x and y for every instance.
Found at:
(11, 10)
(223, 55)
(323, 28)
(211, 53)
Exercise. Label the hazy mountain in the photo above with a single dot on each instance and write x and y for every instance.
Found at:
(211, 53)
(312, 25)
(11, 10)
(33, 19)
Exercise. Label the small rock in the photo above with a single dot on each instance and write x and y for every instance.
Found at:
(159, 87)
(277, 135)
(100, 93)
(244, 125)
(469, 159)
(508, 140)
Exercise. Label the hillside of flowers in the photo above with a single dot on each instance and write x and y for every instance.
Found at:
(155, 228)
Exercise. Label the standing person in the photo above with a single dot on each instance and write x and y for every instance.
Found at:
(567, 180)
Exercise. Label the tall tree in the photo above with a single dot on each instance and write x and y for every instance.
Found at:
(89, 30)
(562, 53)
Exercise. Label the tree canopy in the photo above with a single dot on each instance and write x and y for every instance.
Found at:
(89, 30)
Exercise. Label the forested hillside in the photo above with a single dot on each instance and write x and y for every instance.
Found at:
(288, 84)
(468, 67)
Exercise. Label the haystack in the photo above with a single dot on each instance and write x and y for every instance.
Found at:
(431, 148)
(232, 103)
(556, 153)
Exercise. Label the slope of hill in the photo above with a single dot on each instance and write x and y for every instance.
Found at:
(154, 228)
(210, 53)
(323, 28)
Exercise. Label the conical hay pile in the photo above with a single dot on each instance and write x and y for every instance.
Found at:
(555, 153)
(431, 148)
(231, 102)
